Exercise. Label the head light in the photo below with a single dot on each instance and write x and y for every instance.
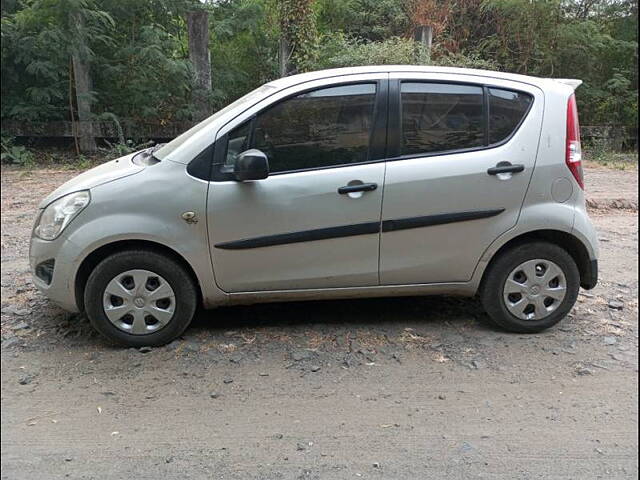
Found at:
(58, 214)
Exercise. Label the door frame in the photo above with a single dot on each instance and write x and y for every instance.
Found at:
(376, 154)
(394, 147)
(394, 132)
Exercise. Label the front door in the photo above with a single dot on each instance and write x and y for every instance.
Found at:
(444, 200)
(314, 222)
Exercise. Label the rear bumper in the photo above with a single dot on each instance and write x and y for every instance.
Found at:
(590, 277)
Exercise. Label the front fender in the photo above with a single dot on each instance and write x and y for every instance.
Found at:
(149, 207)
(189, 249)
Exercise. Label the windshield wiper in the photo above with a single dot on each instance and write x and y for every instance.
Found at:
(146, 156)
(154, 149)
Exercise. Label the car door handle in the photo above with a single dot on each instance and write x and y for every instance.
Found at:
(505, 167)
(363, 187)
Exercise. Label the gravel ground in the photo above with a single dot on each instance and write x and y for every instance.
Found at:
(384, 388)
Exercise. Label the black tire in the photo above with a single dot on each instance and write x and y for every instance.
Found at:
(491, 291)
(186, 296)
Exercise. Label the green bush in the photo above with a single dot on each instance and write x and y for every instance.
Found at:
(15, 154)
(338, 51)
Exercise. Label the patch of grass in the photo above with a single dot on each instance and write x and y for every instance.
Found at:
(598, 153)
(616, 161)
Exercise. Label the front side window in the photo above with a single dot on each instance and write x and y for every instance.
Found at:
(438, 117)
(329, 126)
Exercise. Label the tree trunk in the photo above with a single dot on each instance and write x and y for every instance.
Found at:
(82, 78)
(284, 53)
(74, 127)
(200, 57)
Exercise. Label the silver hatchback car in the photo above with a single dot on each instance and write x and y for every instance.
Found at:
(359, 182)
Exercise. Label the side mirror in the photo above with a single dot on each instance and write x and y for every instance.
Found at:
(251, 165)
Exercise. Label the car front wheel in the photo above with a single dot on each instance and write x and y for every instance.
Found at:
(530, 287)
(140, 298)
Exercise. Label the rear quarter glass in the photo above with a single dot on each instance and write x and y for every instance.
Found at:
(507, 109)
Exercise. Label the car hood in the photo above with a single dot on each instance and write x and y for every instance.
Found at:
(107, 172)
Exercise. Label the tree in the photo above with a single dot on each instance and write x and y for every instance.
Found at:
(298, 35)
(200, 57)
(53, 38)
(364, 20)
(80, 61)
(132, 61)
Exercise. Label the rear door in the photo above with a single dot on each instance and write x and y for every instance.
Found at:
(444, 200)
(315, 221)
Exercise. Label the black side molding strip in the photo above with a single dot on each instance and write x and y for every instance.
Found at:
(440, 219)
(357, 229)
(303, 236)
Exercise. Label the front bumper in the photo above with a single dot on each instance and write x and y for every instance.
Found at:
(60, 288)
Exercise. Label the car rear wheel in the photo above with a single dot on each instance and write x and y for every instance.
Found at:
(140, 298)
(530, 287)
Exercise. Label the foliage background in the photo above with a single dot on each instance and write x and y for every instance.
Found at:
(141, 73)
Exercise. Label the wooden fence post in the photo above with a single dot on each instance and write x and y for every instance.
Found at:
(423, 34)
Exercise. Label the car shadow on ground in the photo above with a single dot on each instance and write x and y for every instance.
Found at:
(382, 317)
(428, 312)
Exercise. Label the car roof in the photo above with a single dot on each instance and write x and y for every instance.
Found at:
(338, 72)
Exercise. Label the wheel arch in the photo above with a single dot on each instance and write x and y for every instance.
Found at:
(570, 243)
(96, 256)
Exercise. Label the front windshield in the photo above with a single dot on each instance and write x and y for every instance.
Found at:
(250, 97)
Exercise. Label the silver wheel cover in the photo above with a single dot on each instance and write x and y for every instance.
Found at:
(534, 289)
(139, 302)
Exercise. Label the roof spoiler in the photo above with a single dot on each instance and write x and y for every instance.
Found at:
(572, 82)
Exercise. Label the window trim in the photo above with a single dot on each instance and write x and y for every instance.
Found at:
(395, 118)
(377, 133)
(387, 125)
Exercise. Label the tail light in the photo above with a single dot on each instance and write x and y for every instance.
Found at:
(574, 149)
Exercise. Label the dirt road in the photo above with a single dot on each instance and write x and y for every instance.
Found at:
(386, 388)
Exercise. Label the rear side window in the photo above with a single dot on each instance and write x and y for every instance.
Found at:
(439, 117)
(324, 127)
(506, 110)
